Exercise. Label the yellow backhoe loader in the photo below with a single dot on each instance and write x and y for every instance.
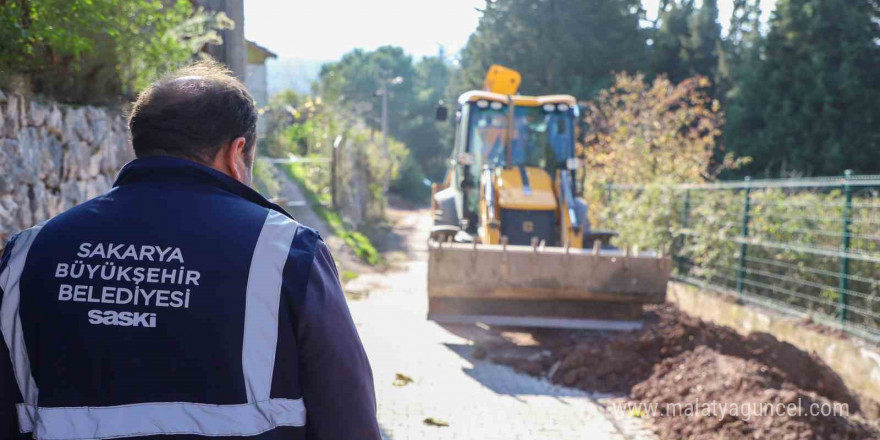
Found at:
(511, 243)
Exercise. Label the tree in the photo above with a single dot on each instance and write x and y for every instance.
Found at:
(808, 101)
(704, 44)
(669, 39)
(91, 51)
(736, 57)
(688, 40)
(355, 82)
(655, 132)
(560, 46)
(429, 141)
(744, 29)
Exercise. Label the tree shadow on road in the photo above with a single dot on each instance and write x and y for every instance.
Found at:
(405, 234)
(502, 379)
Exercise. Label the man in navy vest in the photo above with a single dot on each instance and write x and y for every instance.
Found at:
(181, 304)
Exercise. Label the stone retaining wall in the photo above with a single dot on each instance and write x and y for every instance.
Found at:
(54, 156)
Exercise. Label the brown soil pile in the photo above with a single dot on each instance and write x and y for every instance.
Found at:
(678, 359)
(766, 405)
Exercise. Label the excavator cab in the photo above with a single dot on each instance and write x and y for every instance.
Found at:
(515, 171)
(518, 159)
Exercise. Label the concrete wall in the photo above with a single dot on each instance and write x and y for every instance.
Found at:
(53, 157)
(233, 51)
(857, 362)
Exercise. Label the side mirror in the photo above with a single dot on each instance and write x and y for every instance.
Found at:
(442, 112)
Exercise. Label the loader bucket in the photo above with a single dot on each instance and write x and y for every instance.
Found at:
(550, 287)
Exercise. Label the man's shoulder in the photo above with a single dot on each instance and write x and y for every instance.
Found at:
(152, 202)
(304, 239)
(115, 218)
(16, 239)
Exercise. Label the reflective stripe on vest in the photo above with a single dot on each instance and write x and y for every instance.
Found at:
(10, 320)
(160, 418)
(259, 414)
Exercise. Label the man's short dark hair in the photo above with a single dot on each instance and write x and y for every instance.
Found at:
(193, 113)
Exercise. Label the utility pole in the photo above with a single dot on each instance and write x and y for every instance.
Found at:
(385, 120)
(334, 160)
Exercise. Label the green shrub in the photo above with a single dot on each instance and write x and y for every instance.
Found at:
(410, 181)
(92, 51)
(796, 234)
(318, 202)
(653, 133)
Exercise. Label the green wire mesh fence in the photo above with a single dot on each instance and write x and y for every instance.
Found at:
(808, 246)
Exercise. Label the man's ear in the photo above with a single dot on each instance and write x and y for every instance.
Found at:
(234, 159)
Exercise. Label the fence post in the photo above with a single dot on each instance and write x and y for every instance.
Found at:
(844, 246)
(608, 194)
(685, 210)
(744, 234)
(334, 158)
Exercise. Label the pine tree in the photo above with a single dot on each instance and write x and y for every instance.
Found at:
(687, 41)
(809, 96)
(670, 55)
(560, 46)
(705, 40)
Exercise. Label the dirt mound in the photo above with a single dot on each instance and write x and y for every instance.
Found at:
(716, 396)
(615, 362)
(678, 359)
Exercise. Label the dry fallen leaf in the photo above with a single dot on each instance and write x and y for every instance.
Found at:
(401, 380)
(431, 421)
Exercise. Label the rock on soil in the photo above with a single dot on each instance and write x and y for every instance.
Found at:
(679, 359)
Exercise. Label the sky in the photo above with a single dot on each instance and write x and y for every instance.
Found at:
(326, 29)
(323, 30)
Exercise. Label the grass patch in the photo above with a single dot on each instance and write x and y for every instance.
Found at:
(318, 201)
(348, 275)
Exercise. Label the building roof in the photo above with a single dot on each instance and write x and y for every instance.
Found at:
(257, 54)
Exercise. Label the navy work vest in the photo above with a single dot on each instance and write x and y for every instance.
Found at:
(162, 307)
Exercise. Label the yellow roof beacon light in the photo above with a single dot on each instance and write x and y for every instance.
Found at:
(502, 80)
